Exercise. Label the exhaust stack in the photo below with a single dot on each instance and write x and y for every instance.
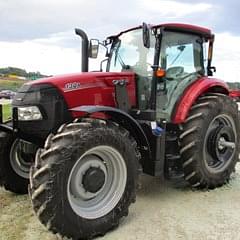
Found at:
(85, 44)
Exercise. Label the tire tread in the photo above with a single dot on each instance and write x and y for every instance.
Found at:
(190, 137)
(49, 160)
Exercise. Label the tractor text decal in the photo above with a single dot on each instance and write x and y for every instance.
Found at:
(71, 86)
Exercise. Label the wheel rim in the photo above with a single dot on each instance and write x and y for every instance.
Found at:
(21, 164)
(219, 143)
(95, 200)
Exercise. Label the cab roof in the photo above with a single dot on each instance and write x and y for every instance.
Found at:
(181, 27)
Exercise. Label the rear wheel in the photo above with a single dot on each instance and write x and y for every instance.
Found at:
(14, 163)
(84, 179)
(210, 142)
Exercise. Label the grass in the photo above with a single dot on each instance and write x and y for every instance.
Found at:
(6, 109)
(18, 221)
(11, 84)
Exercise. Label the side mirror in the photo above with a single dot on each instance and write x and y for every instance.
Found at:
(146, 35)
(93, 48)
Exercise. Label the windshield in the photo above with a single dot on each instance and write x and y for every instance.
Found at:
(128, 52)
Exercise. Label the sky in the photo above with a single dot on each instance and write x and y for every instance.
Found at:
(39, 35)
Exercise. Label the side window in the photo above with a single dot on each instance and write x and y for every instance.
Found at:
(180, 55)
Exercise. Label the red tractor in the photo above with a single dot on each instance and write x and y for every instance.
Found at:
(84, 138)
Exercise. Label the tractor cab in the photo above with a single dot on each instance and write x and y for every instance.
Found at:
(166, 59)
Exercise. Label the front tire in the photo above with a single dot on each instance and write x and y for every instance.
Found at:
(209, 141)
(84, 179)
(14, 167)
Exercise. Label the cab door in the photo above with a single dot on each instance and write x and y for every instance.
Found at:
(182, 59)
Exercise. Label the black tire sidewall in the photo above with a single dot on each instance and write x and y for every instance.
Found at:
(217, 110)
(9, 178)
(59, 191)
(222, 106)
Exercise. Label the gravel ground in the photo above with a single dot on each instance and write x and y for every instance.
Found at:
(163, 210)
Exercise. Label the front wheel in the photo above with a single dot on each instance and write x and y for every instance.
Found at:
(15, 163)
(84, 179)
(210, 142)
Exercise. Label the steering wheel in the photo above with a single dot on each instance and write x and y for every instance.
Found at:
(174, 72)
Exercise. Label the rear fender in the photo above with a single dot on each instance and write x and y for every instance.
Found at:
(193, 92)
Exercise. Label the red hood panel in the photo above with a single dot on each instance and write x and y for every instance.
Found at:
(92, 88)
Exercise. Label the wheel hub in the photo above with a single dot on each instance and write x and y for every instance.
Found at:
(221, 140)
(97, 182)
(93, 179)
(220, 144)
(21, 161)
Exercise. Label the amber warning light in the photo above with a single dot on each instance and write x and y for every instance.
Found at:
(160, 72)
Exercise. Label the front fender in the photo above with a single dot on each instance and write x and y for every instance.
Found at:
(190, 95)
(6, 128)
(123, 119)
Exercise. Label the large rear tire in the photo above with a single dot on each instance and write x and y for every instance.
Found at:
(210, 141)
(84, 179)
(14, 167)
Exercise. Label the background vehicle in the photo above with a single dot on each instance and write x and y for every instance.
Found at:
(155, 110)
(7, 94)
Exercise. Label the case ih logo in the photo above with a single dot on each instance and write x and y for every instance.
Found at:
(71, 86)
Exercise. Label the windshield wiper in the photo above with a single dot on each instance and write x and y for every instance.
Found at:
(119, 58)
(124, 66)
(181, 49)
(118, 44)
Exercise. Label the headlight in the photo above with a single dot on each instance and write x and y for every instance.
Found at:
(30, 113)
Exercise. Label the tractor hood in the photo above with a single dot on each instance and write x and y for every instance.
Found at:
(92, 88)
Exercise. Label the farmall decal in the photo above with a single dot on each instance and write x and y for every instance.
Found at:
(71, 86)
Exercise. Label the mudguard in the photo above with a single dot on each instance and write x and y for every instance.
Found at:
(201, 86)
(123, 119)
